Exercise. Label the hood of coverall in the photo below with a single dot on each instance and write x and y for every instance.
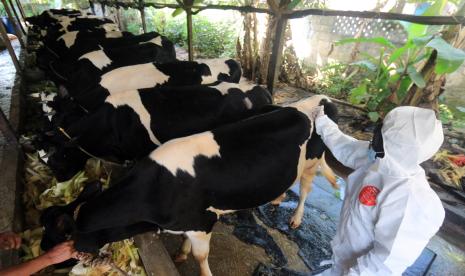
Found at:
(411, 135)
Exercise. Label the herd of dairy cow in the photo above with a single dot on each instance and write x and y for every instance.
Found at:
(205, 141)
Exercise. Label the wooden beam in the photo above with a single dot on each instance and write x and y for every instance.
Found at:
(11, 51)
(7, 130)
(419, 19)
(154, 255)
(246, 9)
(10, 17)
(276, 54)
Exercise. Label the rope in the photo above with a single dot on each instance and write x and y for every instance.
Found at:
(126, 163)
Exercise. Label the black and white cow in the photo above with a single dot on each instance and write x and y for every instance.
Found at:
(50, 17)
(131, 124)
(77, 40)
(87, 70)
(186, 184)
(77, 23)
(89, 42)
(148, 75)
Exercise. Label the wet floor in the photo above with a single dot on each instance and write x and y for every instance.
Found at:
(7, 78)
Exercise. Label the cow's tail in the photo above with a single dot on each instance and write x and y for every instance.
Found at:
(328, 173)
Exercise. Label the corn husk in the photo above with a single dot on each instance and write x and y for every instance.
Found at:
(42, 190)
(31, 243)
(124, 255)
(62, 193)
(449, 169)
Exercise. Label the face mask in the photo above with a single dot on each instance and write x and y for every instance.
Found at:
(371, 154)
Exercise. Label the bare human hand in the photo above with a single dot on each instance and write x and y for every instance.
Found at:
(316, 112)
(60, 253)
(9, 240)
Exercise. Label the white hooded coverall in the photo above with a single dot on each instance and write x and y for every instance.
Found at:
(389, 212)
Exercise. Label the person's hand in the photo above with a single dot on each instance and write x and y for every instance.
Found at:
(9, 240)
(316, 112)
(61, 252)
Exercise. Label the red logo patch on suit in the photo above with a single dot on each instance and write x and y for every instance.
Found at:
(368, 195)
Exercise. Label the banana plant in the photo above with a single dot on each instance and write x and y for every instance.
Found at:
(391, 73)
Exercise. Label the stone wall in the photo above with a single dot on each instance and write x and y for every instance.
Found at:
(324, 31)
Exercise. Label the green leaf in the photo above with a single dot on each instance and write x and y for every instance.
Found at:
(293, 4)
(377, 40)
(403, 89)
(374, 116)
(416, 30)
(449, 58)
(397, 54)
(421, 57)
(366, 64)
(416, 77)
(196, 2)
(358, 93)
(177, 12)
(422, 40)
(372, 105)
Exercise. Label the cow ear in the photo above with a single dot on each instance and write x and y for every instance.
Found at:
(204, 69)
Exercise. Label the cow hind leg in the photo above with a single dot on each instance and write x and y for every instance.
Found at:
(328, 173)
(184, 250)
(279, 199)
(200, 248)
(305, 188)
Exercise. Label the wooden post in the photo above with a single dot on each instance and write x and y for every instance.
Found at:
(190, 48)
(10, 17)
(92, 6)
(11, 51)
(276, 54)
(118, 17)
(17, 17)
(142, 17)
(21, 10)
(103, 9)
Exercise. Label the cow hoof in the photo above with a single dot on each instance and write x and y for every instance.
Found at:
(180, 258)
(295, 222)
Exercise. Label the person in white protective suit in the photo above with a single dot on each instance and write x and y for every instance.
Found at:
(389, 212)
